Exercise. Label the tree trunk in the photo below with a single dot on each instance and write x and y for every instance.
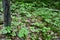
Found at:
(7, 15)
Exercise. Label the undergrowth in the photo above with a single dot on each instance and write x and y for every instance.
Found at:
(30, 22)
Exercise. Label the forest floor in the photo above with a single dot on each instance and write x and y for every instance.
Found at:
(30, 23)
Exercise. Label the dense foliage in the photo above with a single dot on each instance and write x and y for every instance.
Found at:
(33, 20)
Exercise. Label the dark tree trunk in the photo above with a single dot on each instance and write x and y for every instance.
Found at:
(7, 15)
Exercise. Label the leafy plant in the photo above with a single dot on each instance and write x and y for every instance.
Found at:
(23, 32)
(6, 30)
(45, 35)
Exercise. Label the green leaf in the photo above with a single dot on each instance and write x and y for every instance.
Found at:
(13, 34)
(23, 32)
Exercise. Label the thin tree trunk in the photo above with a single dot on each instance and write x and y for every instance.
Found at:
(7, 15)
